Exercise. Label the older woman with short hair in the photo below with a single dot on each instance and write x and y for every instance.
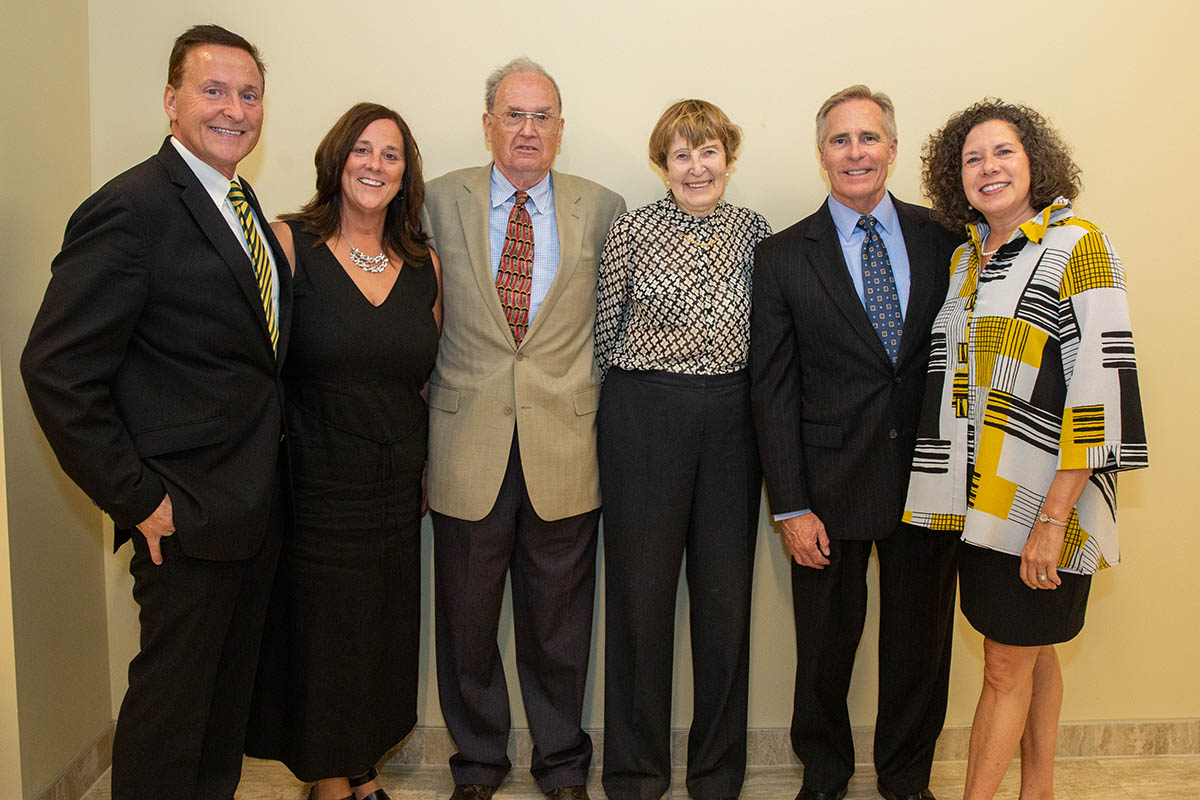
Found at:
(1031, 409)
(679, 469)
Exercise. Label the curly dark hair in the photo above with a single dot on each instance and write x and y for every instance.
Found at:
(1052, 172)
(322, 215)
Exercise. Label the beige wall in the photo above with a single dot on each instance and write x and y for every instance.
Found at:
(10, 730)
(54, 550)
(1116, 77)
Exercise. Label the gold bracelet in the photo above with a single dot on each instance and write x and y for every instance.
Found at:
(1044, 517)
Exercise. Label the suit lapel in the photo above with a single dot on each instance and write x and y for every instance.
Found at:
(830, 267)
(474, 211)
(570, 217)
(217, 231)
(921, 268)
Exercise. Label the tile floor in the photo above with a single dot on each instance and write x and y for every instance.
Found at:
(1118, 778)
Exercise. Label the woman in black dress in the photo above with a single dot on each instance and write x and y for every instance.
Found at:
(338, 674)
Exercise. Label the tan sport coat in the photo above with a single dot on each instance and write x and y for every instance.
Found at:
(483, 384)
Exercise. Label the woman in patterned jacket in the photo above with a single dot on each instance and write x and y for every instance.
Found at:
(679, 467)
(1031, 409)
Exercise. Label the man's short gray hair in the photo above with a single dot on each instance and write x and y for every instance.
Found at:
(857, 92)
(521, 64)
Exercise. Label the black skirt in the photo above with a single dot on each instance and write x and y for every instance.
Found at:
(1001, 607)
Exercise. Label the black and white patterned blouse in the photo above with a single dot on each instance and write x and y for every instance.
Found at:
(673, 290)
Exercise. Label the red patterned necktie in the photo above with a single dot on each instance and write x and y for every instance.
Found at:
(514, 278)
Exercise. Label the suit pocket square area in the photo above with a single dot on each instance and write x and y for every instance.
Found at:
(443, 398)
(177, 438)
(821, 435)
(587, 401)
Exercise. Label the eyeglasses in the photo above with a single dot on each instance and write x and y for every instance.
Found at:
(515, 120)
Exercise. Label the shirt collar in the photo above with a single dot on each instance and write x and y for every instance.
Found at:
(216, 184)
(677, 215)
(845, 219)
(1034, 229)
(540, 194)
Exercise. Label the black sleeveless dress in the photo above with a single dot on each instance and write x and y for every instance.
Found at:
(337, 684)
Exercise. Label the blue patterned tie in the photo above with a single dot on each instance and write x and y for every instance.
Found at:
(879, 289)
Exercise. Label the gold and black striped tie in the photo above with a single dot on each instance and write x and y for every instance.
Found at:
(258, 255)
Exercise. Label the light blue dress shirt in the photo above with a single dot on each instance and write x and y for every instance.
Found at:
(851, 237)
(540, 206)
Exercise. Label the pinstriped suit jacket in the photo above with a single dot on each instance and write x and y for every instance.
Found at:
(836, 421)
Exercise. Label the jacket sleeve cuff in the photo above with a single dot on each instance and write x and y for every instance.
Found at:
(141, 502)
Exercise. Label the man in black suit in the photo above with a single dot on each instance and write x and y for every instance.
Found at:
(843, 304)
(153, 368)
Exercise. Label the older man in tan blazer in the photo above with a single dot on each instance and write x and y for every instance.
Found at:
(512, 443)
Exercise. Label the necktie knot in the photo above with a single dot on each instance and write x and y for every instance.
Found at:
(866, 222)
(520, 198)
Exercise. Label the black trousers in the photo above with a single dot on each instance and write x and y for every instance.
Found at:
(182, 724)
(679, 475)
(916, 617)
(553, 571)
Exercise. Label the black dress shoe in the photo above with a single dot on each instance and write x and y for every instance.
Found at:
(568, 793)
(888, 794)
(472, 791)
(813, 794)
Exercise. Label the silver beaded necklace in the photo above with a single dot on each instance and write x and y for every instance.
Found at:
(372, 264)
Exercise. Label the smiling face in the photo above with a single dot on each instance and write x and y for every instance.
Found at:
(374, 170)
(995, 174)
(696, 175)
(856, 154)
(216, 112)
(524, 154)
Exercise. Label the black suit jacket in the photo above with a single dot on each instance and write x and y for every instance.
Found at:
(149, 365)
(836, 421)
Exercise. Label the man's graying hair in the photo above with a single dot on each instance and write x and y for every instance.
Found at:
(522, 64)
(857, 92)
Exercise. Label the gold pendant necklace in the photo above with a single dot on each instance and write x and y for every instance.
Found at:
(705, 245)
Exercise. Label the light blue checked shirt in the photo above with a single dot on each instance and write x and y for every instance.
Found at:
(540, 206)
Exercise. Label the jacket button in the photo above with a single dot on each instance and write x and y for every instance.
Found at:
(520, 356)
(896, 379)
(893, 433)
(508, 410)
